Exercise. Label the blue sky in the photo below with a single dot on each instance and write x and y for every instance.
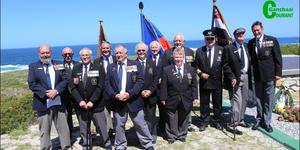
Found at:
(29, 23)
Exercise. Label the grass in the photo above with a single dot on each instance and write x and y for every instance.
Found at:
(290, 49)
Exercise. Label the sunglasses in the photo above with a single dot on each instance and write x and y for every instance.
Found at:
(65, 54)
(209, 39)
(141, 50)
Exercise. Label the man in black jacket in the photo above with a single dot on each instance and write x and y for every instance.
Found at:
(86, 86)
(209, 63)
(236, 65)
(178, 91)
(267, 67)
(149, 90)
(168, 59)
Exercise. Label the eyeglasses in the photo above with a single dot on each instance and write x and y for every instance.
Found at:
(141, 50)
(209, 39)
(65, 54)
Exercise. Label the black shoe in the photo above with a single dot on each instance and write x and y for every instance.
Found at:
(244, 124)
(202, 128)
(191, 129)
(217, 125)
(150, 148)
(268, 128)
(171, 141)
(182, 140)
(232, 130)
(256, 126)
(108, 147)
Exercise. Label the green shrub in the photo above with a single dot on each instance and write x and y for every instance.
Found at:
(16, 113)
(290, 49)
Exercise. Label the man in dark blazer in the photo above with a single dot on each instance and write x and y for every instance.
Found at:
(178, 91)
(209, 63)
(189, 59)
(149, 90)
(104, 60)
(69, 63)
(124, 81)
(236, 67)
(267, 68)
(47, 80)
(86, 87)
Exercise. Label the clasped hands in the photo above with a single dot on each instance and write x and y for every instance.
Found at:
(85, 105)
(123, 96)
(51, 94)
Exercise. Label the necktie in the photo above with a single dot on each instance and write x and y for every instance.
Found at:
(242, 57)
(120, 73)
(154, 59)
(179, 74)
(257, 43)
(69, 66)
(48, 76)
(85, 75)
(208, 57)
(143, 66)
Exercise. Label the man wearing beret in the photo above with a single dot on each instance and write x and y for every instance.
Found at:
(267, 68)
(209, 68)
(236, 65)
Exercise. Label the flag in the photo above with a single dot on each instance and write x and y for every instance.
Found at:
(151, 33)
(101, 38)
(220, 28)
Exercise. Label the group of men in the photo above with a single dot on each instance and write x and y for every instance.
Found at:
(120, 86)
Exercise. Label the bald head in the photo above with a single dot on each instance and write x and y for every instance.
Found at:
(45, 54)
(179, 40)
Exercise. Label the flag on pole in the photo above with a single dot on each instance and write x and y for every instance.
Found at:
(220, 28)
(151, 33)
(101, 38)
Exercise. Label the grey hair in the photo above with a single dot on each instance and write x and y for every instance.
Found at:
(155, 42)
(85, 48)
(179, 34)
(123, 46)
(139, 45)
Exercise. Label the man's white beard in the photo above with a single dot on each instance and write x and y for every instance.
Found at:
(45, 61)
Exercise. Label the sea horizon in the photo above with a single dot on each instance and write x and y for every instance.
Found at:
(14, 59)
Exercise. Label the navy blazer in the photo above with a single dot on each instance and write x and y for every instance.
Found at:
(231, 64)
(38, 83)
(93, 89)
(134, 84)
(151, 78)
(268, 62)
(173, 92)
(215, 72)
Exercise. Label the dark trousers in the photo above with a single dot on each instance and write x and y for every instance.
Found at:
(162, 117)
(204, 105)
(177, 123)
(150, 118)
(99, 121)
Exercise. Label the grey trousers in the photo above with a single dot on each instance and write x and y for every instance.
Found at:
(265, 93)
(100, 122)
(140, 126)
(177, 123)
(238, 99)
(58, 115)
(110, 124)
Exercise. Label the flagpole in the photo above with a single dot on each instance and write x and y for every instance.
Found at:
(141, 6)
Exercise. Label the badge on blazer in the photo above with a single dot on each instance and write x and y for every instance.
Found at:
(76, 80)
(133, 77)
(267, 53)
(94, 81)
(59, 67)
(220, 52)
(219, 59)
(113, 69)
(93, 73)
(150, 70)
(40, 68)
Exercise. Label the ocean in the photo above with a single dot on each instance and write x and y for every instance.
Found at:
(20, 58)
